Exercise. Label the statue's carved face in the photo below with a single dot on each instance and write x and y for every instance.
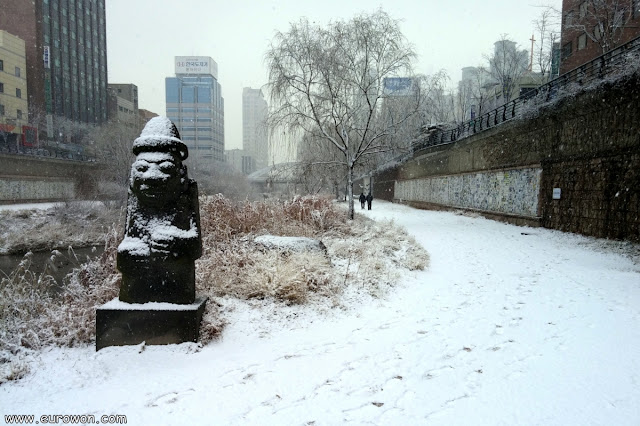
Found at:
(156, 177)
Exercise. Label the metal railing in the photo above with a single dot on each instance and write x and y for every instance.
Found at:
(605, 65)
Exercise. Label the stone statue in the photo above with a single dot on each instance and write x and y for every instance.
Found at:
(162, 233)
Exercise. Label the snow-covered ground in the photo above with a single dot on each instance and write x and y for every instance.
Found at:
(508, 326)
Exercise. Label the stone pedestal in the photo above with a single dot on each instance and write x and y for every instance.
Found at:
(119, 323)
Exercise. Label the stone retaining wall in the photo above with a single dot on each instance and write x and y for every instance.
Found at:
(585, 146)
(27, 179)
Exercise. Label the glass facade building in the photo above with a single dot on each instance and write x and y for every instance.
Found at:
(66, 49)
(195, 104)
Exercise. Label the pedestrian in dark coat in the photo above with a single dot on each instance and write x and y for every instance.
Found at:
(369, 200)
(362, 199)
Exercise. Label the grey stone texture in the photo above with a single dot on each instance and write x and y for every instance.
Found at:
(154, 325)
(25, 179)
(162, 233)
(157, 301)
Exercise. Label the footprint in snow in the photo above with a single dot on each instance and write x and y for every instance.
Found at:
(168, 398)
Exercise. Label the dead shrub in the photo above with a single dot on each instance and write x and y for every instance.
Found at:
(361, 252)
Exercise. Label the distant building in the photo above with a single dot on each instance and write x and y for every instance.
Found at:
(588, 33)
(196, 106)
(66, 55)
(13, 89)
(509, 75)
(255, 140)
(126, 91)
(123, 104)
(240, 161)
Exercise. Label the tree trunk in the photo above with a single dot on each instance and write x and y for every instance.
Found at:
(350, 191)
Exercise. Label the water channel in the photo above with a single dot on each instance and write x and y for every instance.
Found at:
(58, 263)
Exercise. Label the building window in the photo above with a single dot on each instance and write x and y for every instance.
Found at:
(568, 18)
(19, 114)
(582, 41)
(583, 9)
(18, 93)
(1, 110)
(566, 50)
(17, 71)
(1, 65)
(597, 31)
(1, 87)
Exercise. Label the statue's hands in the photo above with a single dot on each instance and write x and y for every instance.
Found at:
(159, 246)
(161, 239)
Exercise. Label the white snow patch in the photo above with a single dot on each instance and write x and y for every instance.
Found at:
(135, 246)
(117, 304)
(290, 243)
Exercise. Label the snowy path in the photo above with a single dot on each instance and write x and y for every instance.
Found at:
(503, 328)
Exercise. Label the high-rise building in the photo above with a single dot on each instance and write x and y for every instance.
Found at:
(66, 52)
(13, 89)
(255, 141)
(195, 104)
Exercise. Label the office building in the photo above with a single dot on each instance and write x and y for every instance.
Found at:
(123, 104)
(255, 141)
(240, 161)
(66, 53)
(13, 90)
(194, 103)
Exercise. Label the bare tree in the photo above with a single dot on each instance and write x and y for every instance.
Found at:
(438, 99)
(113, 144)
(473, 88)
(506, 65)
(320, 168)
(602, 21)
(329, 82)
(547, 27)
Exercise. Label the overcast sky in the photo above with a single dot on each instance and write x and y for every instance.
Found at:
(144, 36)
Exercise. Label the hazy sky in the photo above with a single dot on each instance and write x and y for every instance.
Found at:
(144, 36)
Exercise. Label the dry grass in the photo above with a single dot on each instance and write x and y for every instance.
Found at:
(361, 253)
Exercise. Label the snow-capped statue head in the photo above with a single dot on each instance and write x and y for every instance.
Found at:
(158, 176)
(160, 135)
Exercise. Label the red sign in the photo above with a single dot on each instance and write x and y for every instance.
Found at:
(29, 136)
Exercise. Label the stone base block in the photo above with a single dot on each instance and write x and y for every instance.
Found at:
(119, 323)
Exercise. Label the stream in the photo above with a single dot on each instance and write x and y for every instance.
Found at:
(58, 265)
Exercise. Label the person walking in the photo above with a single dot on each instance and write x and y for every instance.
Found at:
(369, 200)
(362, 200)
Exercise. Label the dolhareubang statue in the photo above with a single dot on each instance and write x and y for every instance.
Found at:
(162, 232)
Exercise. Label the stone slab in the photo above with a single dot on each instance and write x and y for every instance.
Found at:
(120, 323)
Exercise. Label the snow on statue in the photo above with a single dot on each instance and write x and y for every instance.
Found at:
(162, 233)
